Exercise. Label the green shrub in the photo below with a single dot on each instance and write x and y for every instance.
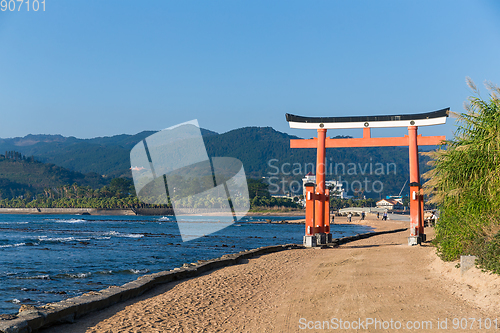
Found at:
(465, 183)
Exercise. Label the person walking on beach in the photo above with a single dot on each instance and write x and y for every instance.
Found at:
(433, 219)
(362, 215)
(349, 217)
(384, 218)
(378, 215)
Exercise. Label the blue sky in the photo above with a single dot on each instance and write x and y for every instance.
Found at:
(99, 68)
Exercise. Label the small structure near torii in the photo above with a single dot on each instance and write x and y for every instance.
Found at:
(317, 195)
(390, 204)
(335, 186)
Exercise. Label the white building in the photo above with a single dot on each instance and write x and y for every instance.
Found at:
(390, 204)
(336, 187)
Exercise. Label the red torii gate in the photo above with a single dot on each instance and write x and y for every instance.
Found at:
(317, 199)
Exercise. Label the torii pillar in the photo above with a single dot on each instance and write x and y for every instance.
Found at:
(317, 199)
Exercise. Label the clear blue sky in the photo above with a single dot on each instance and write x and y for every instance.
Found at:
(98, 68)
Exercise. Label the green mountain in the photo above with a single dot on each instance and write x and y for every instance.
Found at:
(20, 175)
(107, 156)
(265, 152)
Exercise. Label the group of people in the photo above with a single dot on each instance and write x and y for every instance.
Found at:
(363, 214)
(384, 217)
(432, 219)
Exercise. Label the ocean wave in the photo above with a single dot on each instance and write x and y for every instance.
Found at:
(119, 234)
(12, 245)
(79, 275)
(138, 271)
(69, 221)
(36, 277)
(100, 236)
(48, 239)
(105, 272)
(55, 239)
(164, 218)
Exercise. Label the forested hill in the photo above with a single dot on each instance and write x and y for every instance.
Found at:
(104, 155)
(263, 151)
(21, 175)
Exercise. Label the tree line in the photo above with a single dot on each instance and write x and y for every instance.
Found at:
(17, 156)
(120, 194)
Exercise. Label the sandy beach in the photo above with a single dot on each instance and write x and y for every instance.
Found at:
(362, 282)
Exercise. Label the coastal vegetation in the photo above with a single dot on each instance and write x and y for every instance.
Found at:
(338, 203)
(262, 201)
(119, 193)
(465, 183)
(25, 176)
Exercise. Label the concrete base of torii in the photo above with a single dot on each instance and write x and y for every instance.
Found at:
(310, 241)
(317, 239)
(414, 240)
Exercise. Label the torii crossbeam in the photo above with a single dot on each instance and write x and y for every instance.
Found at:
(317, 211)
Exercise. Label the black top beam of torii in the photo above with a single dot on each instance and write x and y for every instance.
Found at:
(404, 120)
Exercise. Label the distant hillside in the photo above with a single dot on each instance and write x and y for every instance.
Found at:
(20, 175)
(264, 152)
(104, 155)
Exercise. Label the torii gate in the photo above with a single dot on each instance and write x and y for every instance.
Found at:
(317, 200)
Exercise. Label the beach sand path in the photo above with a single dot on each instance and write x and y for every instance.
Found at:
(380, 278)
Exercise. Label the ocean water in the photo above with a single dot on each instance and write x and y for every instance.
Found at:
(48, 258)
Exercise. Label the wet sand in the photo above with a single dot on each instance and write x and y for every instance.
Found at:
(296, 290)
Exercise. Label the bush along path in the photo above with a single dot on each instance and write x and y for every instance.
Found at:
(465, 183)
